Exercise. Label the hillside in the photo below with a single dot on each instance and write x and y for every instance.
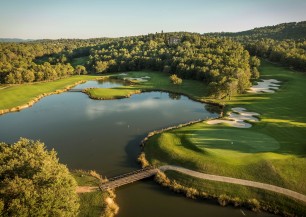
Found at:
(293, 30)
(283, 43)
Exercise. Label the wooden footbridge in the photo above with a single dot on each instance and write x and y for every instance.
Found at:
(127, 178)
(75, 90)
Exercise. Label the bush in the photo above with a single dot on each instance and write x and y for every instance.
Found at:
(142, 160)
(176, 80)
(34, 183)
(254, 205)
(223, 199)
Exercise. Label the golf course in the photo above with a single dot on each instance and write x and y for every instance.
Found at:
(271, 151)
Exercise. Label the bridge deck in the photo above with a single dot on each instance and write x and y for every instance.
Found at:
(128, 178)
(75, 90)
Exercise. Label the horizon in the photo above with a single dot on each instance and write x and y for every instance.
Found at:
(68, 19)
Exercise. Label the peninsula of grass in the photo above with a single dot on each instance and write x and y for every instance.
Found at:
(110, 93)
(18, 95)
(272, 151)
(157, 81)
(94, 203)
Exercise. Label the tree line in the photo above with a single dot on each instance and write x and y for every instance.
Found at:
(222, 63)
(42, 60)
(284, 43)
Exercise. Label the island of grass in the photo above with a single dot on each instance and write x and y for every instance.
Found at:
(155, 81)
(272, 151)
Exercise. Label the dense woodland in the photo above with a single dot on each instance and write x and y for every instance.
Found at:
(284, 43)
(222, 63)
(225, 61)
(43, 60)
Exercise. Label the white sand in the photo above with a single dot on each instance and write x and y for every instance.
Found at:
(141, 79)
(265, 86)
(237, 118)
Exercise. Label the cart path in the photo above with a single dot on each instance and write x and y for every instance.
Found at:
(243, 182)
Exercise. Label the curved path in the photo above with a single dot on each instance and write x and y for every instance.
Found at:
(244, 182)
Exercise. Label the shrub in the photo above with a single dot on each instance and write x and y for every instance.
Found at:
(223, 199)
(142, 160)
(254, 205)
(236, 201)
(176, 80)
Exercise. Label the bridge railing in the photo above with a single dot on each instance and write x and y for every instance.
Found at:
(130, 173)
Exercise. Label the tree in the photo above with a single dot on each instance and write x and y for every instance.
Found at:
(80, 70)
(34, 183)
(176, 80)
(101, 66)
(28, 76)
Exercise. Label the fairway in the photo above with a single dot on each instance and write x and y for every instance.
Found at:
(22, 94)
(272, 151)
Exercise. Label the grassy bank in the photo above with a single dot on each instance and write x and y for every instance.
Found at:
(157, 81)
(95, 203)
(110, 93)
(18, 95)
(272, 151)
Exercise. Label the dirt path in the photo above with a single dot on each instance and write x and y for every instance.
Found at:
(260, 185)
(86, 189)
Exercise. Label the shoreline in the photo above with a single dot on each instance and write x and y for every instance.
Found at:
(39, 97)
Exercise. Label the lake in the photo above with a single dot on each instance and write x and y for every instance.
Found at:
(105, 136)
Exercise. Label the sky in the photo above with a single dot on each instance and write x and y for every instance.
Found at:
(53, 19)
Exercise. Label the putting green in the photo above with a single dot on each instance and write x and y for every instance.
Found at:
(240, 140)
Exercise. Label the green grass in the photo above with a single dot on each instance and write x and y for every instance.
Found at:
(18, 95)
(276, 201)
(79, 61)
(85, 179)
(91, 204)
(158, 81)
(110, 93)
(272, 151)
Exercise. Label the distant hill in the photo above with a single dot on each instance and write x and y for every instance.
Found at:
(293, 30)
(15, 40)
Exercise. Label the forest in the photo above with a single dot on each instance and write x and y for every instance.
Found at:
(284, 43)
(227, 62)
(222, 63)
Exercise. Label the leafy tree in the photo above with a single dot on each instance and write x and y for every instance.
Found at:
(176, 80)
(34, 183)
(80, 70)
(101, 66)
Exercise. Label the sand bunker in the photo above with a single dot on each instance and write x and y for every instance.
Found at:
(237, 118)
(141, 79)
(123, 74)
(265, 86)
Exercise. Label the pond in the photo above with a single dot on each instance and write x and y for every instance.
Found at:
(105, 136)
(108, 83)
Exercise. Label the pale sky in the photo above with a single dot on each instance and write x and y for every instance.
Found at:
(38, 19)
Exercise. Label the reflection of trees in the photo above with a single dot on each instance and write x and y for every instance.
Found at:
(212, 108)
(174, 96)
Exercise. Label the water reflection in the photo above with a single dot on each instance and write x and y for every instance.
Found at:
(105, 136)
(108, 83)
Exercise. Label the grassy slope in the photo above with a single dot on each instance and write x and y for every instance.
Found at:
(91, 204)
(157, 81)
(21, 94)
(79, 61)
(272, 151)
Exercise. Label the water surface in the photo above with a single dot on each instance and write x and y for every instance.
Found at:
(105, 136)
